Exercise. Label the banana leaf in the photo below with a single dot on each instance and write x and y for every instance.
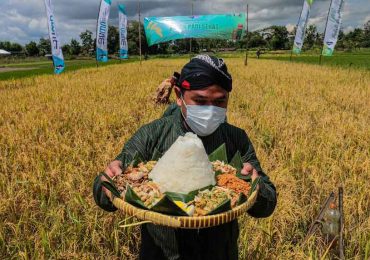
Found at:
(180, 196)
(242, 199)
(237, 162)
(254, 185)
(219, 154)
(193, 193)
(109, 185)
(165, 205)
(132, 198)
(217, 173)
(224, 206)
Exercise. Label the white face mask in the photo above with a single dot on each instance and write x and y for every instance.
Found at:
(204, 120)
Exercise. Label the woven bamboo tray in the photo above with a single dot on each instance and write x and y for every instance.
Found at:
(184, 222)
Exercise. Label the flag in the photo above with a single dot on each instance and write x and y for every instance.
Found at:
(332, 27)
(222, 26)
(102, 31)
(56, 49)
(123, 48)
(301, 26)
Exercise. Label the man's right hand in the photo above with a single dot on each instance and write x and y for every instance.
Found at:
(113, 169)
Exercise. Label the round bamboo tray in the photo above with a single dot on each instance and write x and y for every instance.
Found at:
(181, 221)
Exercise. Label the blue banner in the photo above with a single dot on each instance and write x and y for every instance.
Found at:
(222, 26)
(102, 31)
(56, 48)
(123, 48)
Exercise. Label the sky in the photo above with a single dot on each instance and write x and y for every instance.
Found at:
(23, 21)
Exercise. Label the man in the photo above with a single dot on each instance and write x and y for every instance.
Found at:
(258, 53)
(202, 94)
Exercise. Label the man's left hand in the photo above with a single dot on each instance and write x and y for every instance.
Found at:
(248, 169)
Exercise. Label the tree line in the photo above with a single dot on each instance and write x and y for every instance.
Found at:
(270, 38)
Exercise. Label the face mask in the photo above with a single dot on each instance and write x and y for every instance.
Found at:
(204, 120)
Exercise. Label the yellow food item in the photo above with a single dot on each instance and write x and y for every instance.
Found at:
(189, 209)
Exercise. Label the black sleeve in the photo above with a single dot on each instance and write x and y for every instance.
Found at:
(266, 198)
(100, 198)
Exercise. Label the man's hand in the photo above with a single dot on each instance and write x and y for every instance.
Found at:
(113, 169)
(248, 169)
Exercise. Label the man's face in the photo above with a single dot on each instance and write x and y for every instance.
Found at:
(213, 95)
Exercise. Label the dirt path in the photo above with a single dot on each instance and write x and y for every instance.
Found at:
(7, 69)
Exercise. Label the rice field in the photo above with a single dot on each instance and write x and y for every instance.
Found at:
(309, 125)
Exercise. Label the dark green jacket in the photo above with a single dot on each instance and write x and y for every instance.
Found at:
(212, 243)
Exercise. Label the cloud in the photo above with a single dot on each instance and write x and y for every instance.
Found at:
(367, 18)
(24, 20)
(290, 27)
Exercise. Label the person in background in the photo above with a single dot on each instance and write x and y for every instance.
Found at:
(258, 53)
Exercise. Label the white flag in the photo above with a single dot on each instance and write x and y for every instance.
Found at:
(56, 48)
(301, 26)
(123, 48)
(332, 27)
(102, 31)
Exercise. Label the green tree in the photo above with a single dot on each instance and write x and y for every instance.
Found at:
(340, 42)
(256, 40)
(276, 37)
(354, 39)
(310, 36)
(11, 46)
(16, 47)
(87, 42)
(44, 46)
(75, 47)
(32, 49)
(113, 40)
(366, 41)
(66, 48)
(5, 45)
(133, 38)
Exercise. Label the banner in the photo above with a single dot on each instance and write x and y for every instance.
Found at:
(56, 48)
(222, 26)
(301, 26)
(332, 27)
(123, 48)
(102, 31)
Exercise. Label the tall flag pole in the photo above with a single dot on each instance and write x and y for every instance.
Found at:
(123, 48)
(102, 31)
(56, 49)
(333, 23)
(301, 27)
(191, 39)
(139, 11)
(247, 43)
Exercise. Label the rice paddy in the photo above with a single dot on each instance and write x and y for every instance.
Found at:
(308, 123)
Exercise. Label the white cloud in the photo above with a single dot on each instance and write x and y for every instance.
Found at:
(367, 18)
(348, 29)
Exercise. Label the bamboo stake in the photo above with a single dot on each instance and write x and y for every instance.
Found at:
(341, 223)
